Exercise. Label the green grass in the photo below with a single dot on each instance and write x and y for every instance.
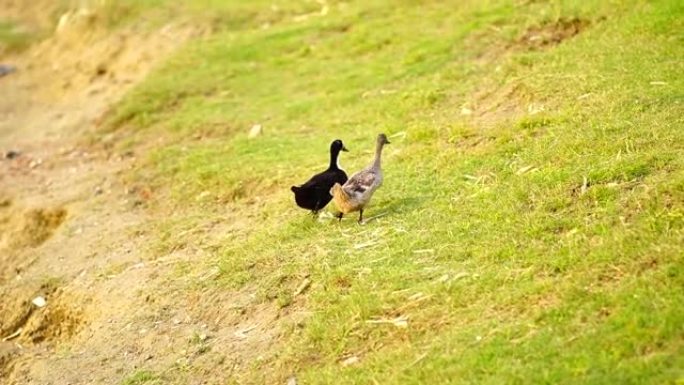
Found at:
(141, 377)
(521, 247)
(13, 38)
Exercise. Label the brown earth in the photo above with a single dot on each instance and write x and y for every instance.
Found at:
(72, 231)
(552, 33)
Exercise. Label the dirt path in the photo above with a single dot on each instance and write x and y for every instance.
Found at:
(74, 233)
(70, 228)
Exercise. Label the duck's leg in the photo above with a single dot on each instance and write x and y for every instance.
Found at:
(339, 216)
(361, 216)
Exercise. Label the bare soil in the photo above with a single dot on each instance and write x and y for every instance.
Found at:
(72, 233)
(552, 33)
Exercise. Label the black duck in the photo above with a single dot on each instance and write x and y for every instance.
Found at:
(315, 193)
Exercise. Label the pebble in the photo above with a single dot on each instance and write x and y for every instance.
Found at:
(39, 301)
(35, 163)
(12, 154)
(255, 131)
(6, 69)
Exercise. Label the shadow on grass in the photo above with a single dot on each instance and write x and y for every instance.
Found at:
(394, 207)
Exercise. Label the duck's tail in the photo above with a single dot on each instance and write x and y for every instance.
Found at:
(294, 189)
(336, 190)
(340, 196)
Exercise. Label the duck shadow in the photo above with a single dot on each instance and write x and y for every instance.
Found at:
(394, 206)
(403, 204)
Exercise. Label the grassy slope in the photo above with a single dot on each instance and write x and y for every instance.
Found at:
(507, 268)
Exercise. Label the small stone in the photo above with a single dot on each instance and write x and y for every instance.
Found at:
(535, 108)
(12, 154)
(350, 361)
(101, 69)
(6, 69)
(35, 163)
(255, 131)
(98, 190)
(39, 301)
(202, 195)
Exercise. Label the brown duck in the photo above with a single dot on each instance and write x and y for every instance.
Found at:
(357, 192)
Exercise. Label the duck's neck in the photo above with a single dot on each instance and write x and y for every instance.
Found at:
(378, 155)
(334, 163)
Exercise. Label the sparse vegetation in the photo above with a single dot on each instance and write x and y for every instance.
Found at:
(142, 377)
(12, 38)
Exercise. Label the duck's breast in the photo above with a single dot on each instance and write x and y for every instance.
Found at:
(379, 178)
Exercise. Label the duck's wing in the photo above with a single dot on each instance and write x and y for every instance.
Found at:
(316, 180)
(341, 177)
(360, 182)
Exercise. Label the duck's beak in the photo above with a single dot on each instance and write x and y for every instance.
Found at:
(344, 149)
(388, 142)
